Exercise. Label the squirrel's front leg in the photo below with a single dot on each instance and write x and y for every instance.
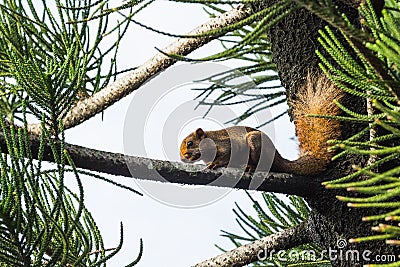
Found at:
(253, 139)
(211, 165)
(216, 164)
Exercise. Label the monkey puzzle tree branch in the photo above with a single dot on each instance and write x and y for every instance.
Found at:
(89, 107)
(175, 172)
(262, 248)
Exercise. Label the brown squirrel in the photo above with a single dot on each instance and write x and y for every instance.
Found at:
(255, 151)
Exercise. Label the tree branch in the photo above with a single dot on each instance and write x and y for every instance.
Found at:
(262, 248)
(89, 107)
(175, 172)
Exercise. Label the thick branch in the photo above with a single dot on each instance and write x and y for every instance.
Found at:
(174, 172)
(89, 107)
(261, 249)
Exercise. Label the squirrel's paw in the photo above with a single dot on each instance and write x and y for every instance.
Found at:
(213, 165)
(249, 169)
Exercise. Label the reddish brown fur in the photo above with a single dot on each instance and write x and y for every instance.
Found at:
(316, 97)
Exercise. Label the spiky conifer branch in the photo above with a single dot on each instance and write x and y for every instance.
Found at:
(44, 223)
(276, 213)
(89, 107)
(264, 247)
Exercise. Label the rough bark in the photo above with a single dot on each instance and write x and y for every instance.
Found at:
(293, 43)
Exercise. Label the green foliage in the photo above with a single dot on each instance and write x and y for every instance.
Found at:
(42, 221)
(278, 214)
(367, 66)
(374, 76)
(328, 11)
(51, 62)
(47, 62)
(250, 46)
(227, 89)
(246, 42)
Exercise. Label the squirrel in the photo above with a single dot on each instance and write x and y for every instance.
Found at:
(254, 150)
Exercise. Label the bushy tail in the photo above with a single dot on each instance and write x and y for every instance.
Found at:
(316, 98)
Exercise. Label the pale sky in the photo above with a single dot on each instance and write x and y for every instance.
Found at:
(172, 236)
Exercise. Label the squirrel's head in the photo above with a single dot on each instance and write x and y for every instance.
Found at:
(190, 147)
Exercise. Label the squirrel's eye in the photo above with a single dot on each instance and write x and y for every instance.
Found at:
(189, 144)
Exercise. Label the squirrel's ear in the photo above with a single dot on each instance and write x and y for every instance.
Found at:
(199, 133)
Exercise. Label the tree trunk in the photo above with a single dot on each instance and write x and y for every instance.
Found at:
(293, 43)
